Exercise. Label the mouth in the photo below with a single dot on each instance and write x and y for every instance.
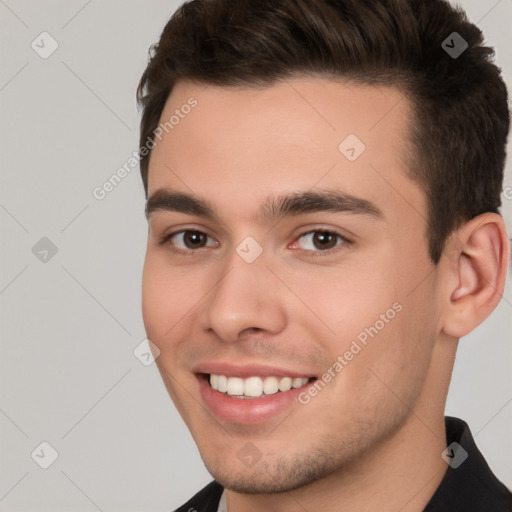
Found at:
(246, 398)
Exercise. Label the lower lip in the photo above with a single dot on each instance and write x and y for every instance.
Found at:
(246, 411)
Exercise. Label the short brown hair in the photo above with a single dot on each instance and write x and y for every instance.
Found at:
(460, 103)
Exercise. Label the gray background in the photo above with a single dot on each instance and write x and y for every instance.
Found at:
(69, 325)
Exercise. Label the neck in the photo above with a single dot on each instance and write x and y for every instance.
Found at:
(402, 473)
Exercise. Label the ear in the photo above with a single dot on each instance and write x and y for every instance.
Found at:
(476, 263)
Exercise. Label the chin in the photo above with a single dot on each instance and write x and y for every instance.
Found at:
(273, 477)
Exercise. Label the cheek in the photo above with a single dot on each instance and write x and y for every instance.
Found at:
(162, 299)
(395, 360)
(377, 324)
(170, 296)
(345, 301)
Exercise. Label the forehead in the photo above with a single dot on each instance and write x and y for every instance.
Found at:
(238, 146)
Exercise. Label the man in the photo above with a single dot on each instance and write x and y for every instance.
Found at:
(323, 182)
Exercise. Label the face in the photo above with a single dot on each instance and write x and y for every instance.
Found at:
(287, 282)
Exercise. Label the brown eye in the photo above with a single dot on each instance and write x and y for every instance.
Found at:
(194, 239)
(324, 240)
(189, 240)
(320, 241)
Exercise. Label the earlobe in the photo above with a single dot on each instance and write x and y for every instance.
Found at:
(477, 264)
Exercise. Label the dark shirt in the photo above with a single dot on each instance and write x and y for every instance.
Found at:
(470, 487)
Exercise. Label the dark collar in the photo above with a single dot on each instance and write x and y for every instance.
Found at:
(206, 500)
(468, 485)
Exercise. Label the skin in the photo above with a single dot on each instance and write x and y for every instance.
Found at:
(372, 438)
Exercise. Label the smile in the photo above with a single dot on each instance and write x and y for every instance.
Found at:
(249, 394)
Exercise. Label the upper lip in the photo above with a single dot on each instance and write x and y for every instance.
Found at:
(247, 370)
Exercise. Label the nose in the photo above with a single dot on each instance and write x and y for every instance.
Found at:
(245, 299)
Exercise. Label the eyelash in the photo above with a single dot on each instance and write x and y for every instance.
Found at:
(318, 253)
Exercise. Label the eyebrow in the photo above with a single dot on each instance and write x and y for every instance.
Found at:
(297, 203)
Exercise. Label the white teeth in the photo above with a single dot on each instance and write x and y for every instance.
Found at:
(222, 383)
(270, 385)
(285, 384)
(235, 386)
(254, 386)
(297, 382)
